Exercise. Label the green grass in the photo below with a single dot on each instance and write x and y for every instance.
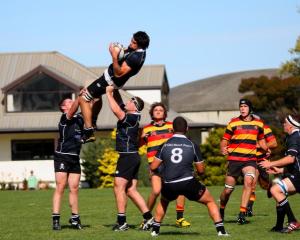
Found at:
(27, 215)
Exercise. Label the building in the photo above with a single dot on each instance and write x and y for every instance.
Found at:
(214, 99)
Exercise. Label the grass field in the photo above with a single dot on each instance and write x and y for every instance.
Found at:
(27, 215)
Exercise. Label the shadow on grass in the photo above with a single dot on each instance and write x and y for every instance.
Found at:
(179, 233)
(71, 227)
(112, 225)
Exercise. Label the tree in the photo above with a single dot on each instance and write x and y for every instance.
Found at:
(276, 97)
(293, 66)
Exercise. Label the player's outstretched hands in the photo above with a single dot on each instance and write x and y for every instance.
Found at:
(265, 164)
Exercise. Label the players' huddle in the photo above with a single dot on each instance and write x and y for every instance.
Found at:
(247, 143)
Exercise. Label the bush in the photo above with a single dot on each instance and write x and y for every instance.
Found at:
(215, 162)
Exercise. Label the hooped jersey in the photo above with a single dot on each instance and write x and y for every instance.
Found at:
(269, 137)
(156, 136)
(243, 137)
(178, 155)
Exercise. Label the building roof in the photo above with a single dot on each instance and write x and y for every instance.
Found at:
(16, 66)
(214, 93)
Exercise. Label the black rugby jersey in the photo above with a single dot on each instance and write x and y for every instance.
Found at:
(135, 60)
(127, 133)
(293, 149)
(178, 155)
(68, 146)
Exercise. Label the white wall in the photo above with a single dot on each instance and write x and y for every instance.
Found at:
(220, 117)
(17, 171)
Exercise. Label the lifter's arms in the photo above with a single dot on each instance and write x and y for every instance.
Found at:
(116, 109)
(73, 109)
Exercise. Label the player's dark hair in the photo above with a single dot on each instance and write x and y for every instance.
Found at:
(142, 39)
(180, 125)
(154, 105)
(60, 103)
(140, 104)
(246, 102)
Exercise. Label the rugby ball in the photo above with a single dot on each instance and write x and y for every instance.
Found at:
(120, 49)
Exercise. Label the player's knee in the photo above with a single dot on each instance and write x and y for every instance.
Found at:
(249, 179)
(74, 189)
(279, 187)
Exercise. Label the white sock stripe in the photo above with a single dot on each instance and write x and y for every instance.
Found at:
(283, 202)
(219, 224)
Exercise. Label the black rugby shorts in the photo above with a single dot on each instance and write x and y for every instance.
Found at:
(128, 166)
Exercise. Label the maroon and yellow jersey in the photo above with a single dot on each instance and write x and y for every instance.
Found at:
(156, 136)
(242, 137)
(269, 137)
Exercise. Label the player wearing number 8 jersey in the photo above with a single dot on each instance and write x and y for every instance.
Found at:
(153, 136)
(177, 156)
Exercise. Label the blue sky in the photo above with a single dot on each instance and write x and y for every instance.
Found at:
(194, 39)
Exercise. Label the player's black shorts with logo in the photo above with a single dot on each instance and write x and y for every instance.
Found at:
(98, 87)
(63, 165)
(191, 189)
(235, 167)
(128, 166)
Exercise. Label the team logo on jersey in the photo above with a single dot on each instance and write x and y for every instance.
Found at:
(117, 172)
(98, 85)
(62, 166)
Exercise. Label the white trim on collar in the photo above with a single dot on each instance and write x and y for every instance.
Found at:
(179, 135)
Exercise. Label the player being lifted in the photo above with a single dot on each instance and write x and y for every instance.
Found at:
(117, 74)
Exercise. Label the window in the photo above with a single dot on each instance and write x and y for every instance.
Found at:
(35, 149)
(39, 93)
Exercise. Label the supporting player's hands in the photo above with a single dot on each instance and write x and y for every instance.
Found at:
(82, 91)
(110, 89)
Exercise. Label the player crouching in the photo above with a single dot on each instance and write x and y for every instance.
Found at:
(177, 156)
